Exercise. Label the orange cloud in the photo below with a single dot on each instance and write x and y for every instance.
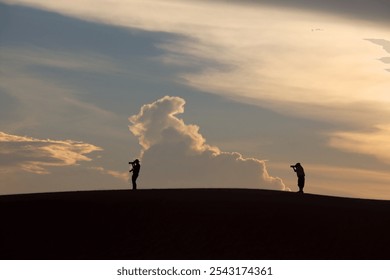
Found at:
(37, 155)
(373, 143)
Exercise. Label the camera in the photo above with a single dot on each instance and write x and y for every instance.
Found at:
(292, 166)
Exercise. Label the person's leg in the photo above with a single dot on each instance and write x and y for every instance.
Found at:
(134, 181)
(301, 183)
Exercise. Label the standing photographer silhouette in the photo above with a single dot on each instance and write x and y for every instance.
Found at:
(301, 175)
(136, 167)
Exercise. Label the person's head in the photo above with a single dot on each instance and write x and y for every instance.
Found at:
(297, 164)
(136, 161)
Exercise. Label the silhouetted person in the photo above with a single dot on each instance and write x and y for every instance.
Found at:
(301, 175)
(136, 167)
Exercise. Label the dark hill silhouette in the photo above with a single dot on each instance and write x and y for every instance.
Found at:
(192, 224)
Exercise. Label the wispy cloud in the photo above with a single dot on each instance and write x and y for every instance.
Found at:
(381, 42)
(76, 61)
(39, 155)
(176, 155)
(123, 176)
(374, 142)
(270, 55)
(386, 46)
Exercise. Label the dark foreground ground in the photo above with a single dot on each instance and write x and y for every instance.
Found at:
(192, 224)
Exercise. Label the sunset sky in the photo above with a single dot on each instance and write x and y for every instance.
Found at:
(206, 93)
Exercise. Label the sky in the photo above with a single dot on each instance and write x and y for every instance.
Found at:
(207, 94)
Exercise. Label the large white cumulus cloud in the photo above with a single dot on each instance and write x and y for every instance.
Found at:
(175, 154)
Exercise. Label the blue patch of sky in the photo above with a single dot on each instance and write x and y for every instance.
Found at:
(143, 79)
(8, 106)
(32, 27)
